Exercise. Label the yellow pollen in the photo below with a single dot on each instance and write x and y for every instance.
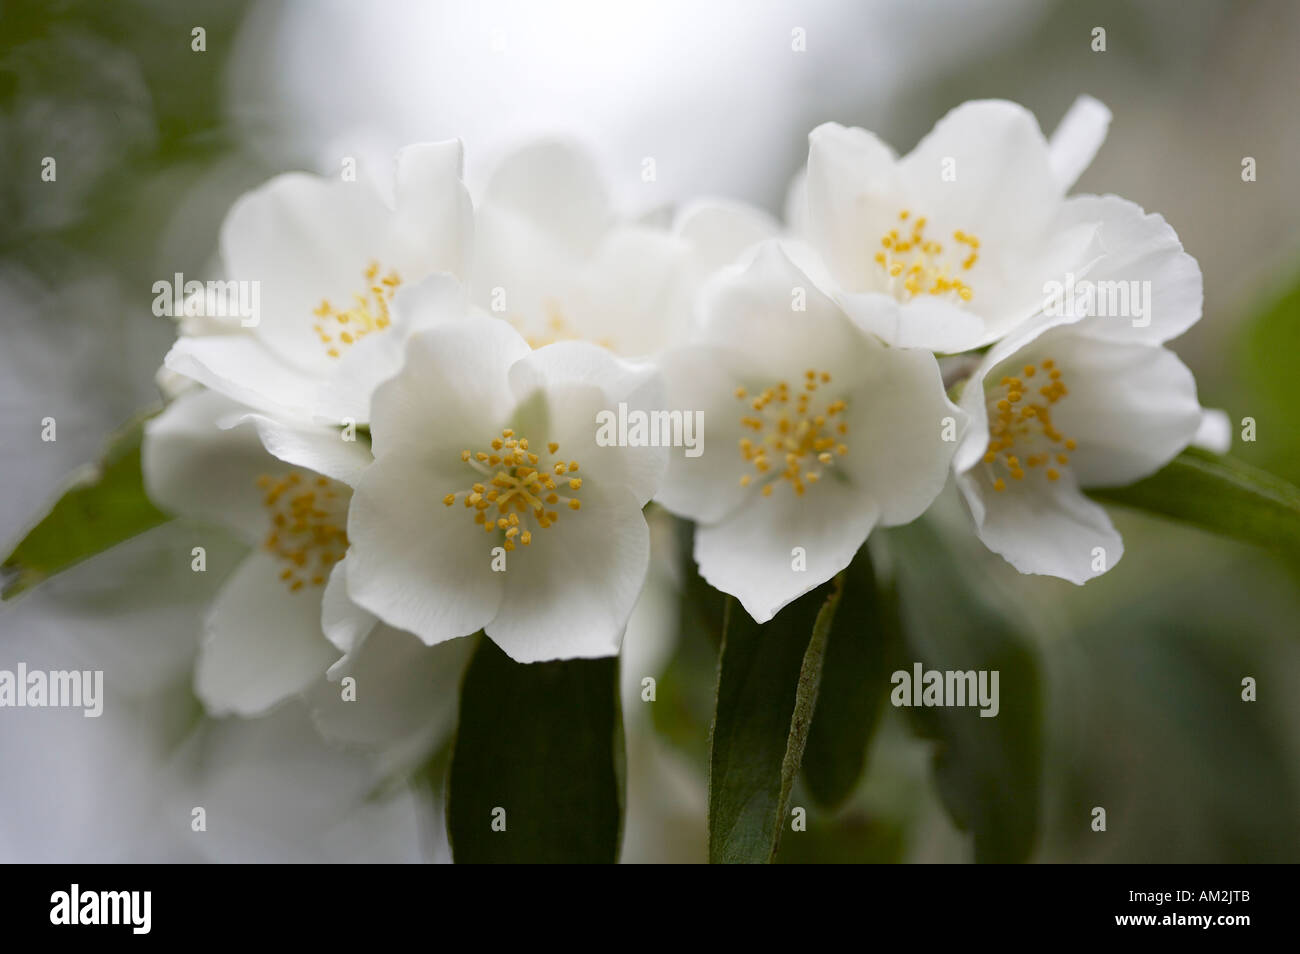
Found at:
(916, 265)
(308, 520)
(792, 439)
(1020, 424)
(515, 484)
(368, 313)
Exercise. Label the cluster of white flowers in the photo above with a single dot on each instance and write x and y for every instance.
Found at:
(407, 438)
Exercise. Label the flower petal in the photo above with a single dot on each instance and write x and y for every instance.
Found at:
(348, 388)
(321, 449)
(1131, 408)
(634, 294)
(1001, 185)
(434, 213)
(579, 383)
(926, 322)
(303, 239)
(554, 187)
(755, 311)
(1077, 138)
(452, 387)
(415, 563)
(195, 469)
(344, 623)
(898, 420)
(242, 368)
(570, 593)
(852, 193)
(1215, 431)
(262, 642)
(406, 694)
(751, 553)
(1143, 251)
(1044, 528)
(702, 381)
(719, 231)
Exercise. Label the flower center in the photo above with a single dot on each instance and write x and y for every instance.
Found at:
(308, 525)
(1021, 433)
(339, 328)
(558, 328)
(517, 481)
(796, 433)
(917, 265)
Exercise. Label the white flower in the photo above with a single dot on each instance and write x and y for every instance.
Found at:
(553, 257)
(960, 237)
(263, 641)
(490, 505)
(1061, 406)
(816, 434)
(328, 257)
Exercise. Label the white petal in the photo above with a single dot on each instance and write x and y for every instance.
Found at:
(973, 398)
(751, 553)
(407, 693)
(1042, 527)
(1131, 408)
(1077, 138)
(344, 623)
(578, 382)
(927, 321)
(898, 419)
(433, 206)
(1215, 431)
(415, 563)
(241, 368)
(754, 311)
(556, 187)
(262, 643)
(853, 199)
(1143, 251)
(349, 386)
(304, 239)
(320, 449)
(1003, 189)
(796, 204)
(570, 593)
(633, 297)
(702, 381)
(194, 468)
(452, 386)
(719, 231)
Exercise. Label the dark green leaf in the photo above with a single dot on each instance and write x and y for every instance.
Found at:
(855, 684)
(768, 678)
(685, 699)
(544, 742)
(1222, 495)
(988, 770)
(101, 509)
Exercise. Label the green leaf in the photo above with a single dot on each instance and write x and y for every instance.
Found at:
(104, 506)
(855, 684)
(768, 678)
(544, 742)
(1267, 342)
(988, 770)
(1219, 494)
